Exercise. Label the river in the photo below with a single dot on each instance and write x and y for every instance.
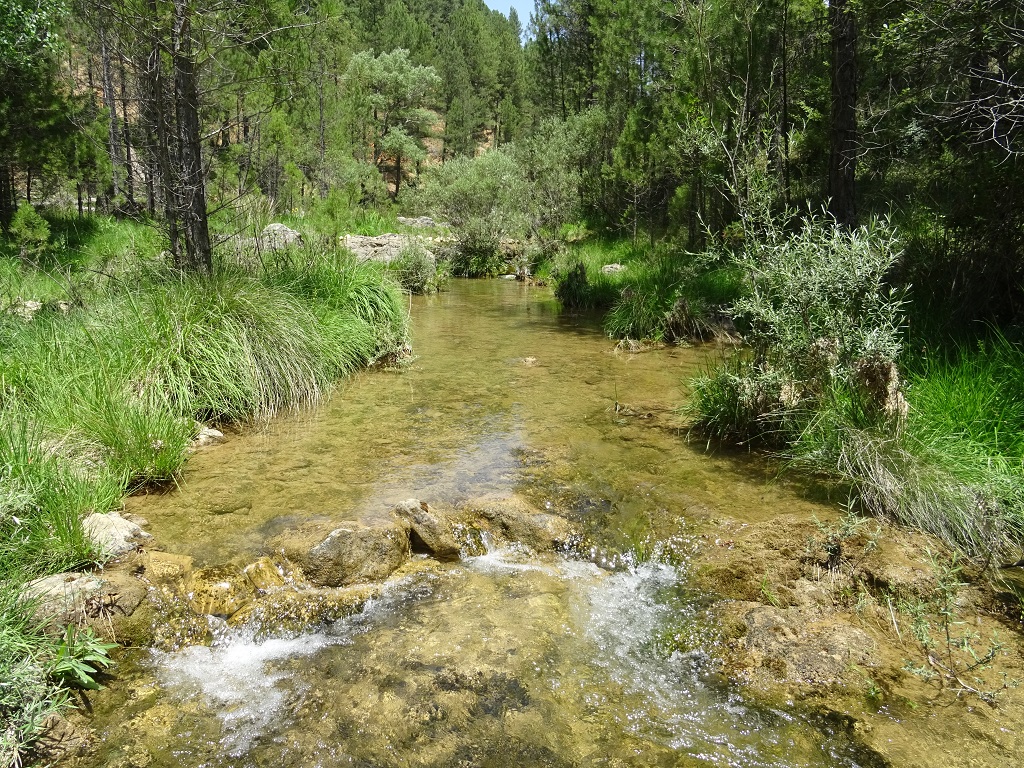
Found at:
(504, 659)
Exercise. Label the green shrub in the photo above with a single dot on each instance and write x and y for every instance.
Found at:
(30, 232)
(477, 251)
(418, 272)
(824, 331)
(820, 383)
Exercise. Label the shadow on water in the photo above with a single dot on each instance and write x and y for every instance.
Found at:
(507, 659)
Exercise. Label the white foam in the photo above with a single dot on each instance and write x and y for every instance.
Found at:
(238, 680)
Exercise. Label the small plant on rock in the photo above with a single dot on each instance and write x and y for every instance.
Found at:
(80, 658)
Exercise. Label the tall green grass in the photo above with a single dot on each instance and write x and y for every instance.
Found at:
(662, 294)
(100, 393)
(956, 469)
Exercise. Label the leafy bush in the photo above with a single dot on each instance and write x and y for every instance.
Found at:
(417, 272)
(30, 232)
(824, 331)
(477, 250)
(821, 382)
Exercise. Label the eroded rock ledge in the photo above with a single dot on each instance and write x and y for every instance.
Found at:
(315, 573)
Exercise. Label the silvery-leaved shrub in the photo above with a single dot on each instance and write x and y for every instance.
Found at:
(824, 330)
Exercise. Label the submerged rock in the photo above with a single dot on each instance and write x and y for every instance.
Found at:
(336, 555)
(112, 534)
(789, 649)
(290, 610)
(165, 566)
(219, 591)
(430, 527)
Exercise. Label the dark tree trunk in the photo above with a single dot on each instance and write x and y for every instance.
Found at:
(6, 195)
(842, 161)
(155, 106)
(191, 179)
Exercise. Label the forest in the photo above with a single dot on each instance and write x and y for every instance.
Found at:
(833, 192)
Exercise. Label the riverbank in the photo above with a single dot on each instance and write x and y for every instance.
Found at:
(112, 365)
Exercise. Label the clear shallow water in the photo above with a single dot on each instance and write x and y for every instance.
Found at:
(504, 659)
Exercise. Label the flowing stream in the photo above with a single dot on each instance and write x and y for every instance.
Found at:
(506, 659)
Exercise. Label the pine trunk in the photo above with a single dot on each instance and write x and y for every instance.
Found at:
(842, 164)
(191, 179)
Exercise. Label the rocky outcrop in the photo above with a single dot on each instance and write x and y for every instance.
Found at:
(340, 554)
(111, 534)
(387, 248)
(274, 237)
(430, 528)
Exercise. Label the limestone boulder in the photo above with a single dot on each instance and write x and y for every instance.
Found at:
(63, 597)
(340, 554)
(385, 248)
(515, 520)
(208, 436)
(430, 527)
(104, 600)
(112, 534)
(265, 575)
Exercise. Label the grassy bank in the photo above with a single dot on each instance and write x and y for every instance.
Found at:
(102, 385)
(646, 293)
